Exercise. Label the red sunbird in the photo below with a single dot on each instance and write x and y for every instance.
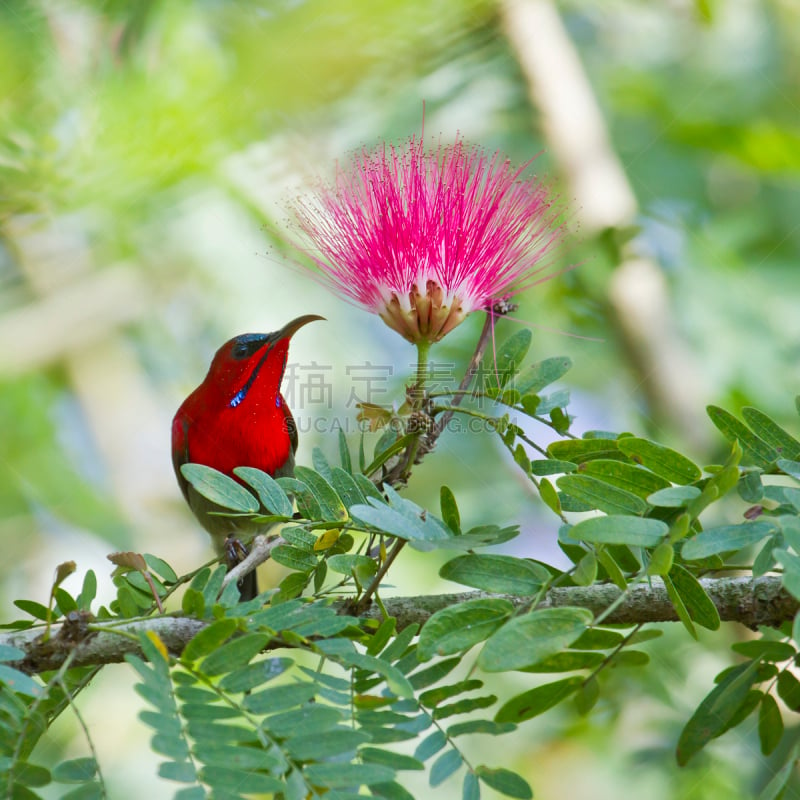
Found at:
(237, 417)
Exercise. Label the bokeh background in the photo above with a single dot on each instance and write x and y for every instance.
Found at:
(148, 151)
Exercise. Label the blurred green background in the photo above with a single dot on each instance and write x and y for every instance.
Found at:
(147, 154)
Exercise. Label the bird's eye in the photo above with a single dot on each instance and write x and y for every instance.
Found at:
(247, 345)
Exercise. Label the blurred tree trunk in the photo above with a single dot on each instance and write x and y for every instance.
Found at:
(578, 138)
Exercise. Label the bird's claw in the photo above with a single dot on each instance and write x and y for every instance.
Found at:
(235, 551)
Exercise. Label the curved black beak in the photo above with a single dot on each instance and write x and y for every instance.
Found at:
(290, 328)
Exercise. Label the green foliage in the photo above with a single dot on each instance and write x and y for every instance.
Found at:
(241, 710)
(189, 80)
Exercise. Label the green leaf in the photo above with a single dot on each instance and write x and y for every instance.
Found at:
(680, 607)
(294, 558)
(383, 455)
(536, 701)
(320, 463)
(609, 564)
(585, 571)
(777, 784)
(208, 639)
(598, 639)
(234, 654)
(765, 649)
(505, 363)
(89, 587)
(395, 680)
(434, 697)
(474, 726)
(541, 374)
(450, 515)
(630, 477)
(374, 755)
(313, 718)
(505, 781)
(182, 771)
(789, 467)
(20, 682)
(549, 496)
(587, 696)
(93, 790)
(336, 742)
(526, 640)
(770, 724)
(336, 776)
(189, 793)
(347, 487)
(521, 457)
(272, 496)
(422, 678)
(36, 610)
(726, 539)
(11, 653)
(464, 706)
(307, 505)
(620, 529)
(219, 488)
(457, 628)
(363, 567)
(240, 756)
(680, 527)
(664, 461)
(28, 774)
(77, 770)
(344, 452)
(430, 745)
(448, 762)
(661, 559)
(280, 698)
(403, 519)
(247, 678)
(762, 454)
(245, 782)
(674, 496)
(471, 788)
(331, 507)
(699, 605)
(568, 661)
(791, 570)
(712, 715)
(796, 628)
(300, 537)
(630, 658)
(789, 690)
(551, 466)
(579, 451)
(750, 488)
(496, 573)
(390, 791)
(551, 402)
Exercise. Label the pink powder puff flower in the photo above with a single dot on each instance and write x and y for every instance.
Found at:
(424, 237)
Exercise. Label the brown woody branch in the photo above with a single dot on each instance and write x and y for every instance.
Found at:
(751, 602)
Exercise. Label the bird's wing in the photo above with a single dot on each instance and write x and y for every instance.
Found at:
(180, 452)
(291, 426)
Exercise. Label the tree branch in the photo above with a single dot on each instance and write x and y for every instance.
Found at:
(751, 602)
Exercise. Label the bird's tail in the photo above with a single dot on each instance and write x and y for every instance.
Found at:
(248, 586)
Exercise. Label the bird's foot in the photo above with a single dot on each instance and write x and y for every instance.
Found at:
(235, 551)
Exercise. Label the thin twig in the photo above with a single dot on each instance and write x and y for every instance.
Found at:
(363, 601)
(460, 393)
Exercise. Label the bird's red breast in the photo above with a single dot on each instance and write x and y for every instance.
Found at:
(220, 427)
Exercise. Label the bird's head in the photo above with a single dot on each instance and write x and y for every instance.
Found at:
(253, 362)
